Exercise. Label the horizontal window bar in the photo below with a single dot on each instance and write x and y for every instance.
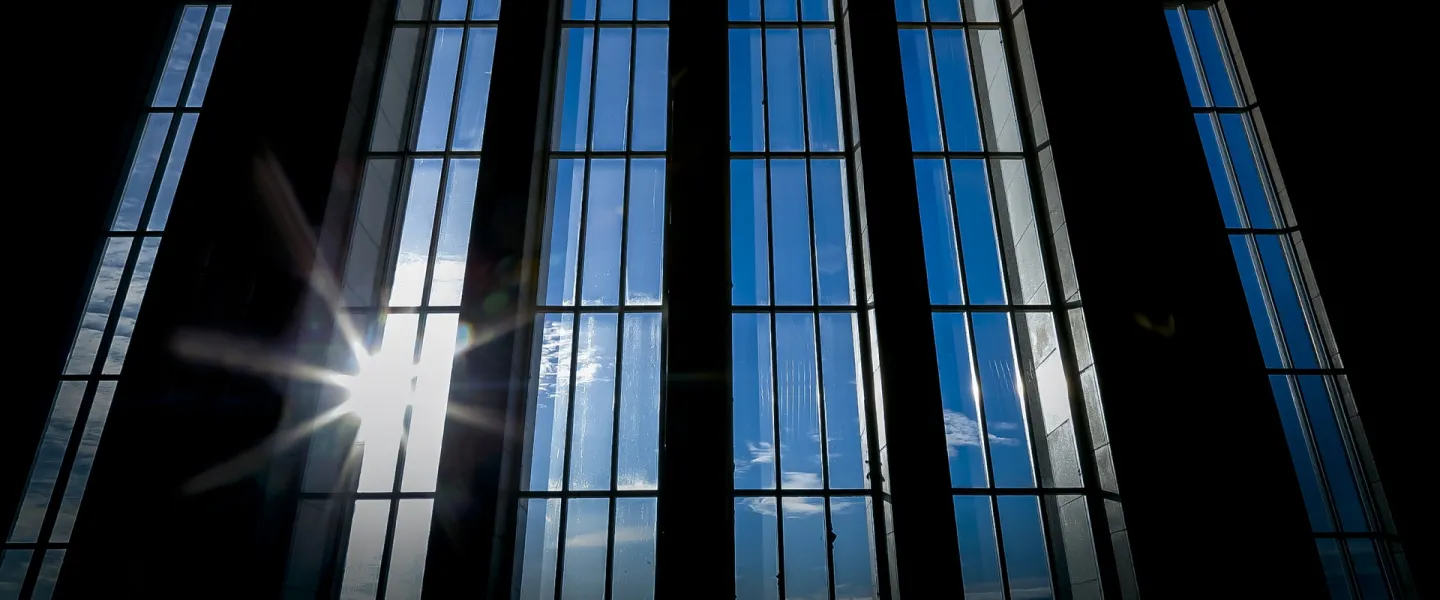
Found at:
(1284, 371)
(652, 493)
(613, 23)
(628, 309)
(782, 25)
(1225, 109)
(607, 154)
(1000, 155)
(948, 25)
(1261, 230)
(799, 309)
(791, 155)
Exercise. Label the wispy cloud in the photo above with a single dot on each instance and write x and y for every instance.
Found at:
(961, 431)
(761, 453)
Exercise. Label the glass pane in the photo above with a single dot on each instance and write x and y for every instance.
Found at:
(783, 95)
(645, 233)
(853, 548)
(587, 532)
(744, 10)
(439, 89)
(474, 89)
(634, 564)
(562, 232)
(653, 10)
(952, 63)
(754, 424)
(1076, 565)
(412, 261)
(84, 462)
(206, 67)
(983, 11)
(410, 10)
(580, 10)
(1287, 300)
(1369, 577)
(747, 89)
(757, 564)
(1219, 175)
(1248, 174)
(370, 233)
(979, 554)
(1002, 131)
(380, 401)
(142, 172)
(452, 10)
(920, 91)
(1332, 560)
(365, 551)
(448, 279)
(13, 566)
(790, 205)
(749, 234)
(807, 574)
(844, 401)
(816, 10)
(652, 87)
(604, 217)
(130, 307)
(944, 10)
(958, 390)
(1027, 566)
(540, 529)
(831, 211)
(639, 452)
(1212, 58)
(408, 549)
(432, 396)
(594, 418)
(979, 244)
(1020, 234)
(485, 10)
(170, 180)
(177, 62)
(822, 91)
(1305, 468)
(572, 102)
(1331, 445)
(616, 9)
(1256, 301)
(937, 232)
(1000, 386)
(1187, 60)
(48, 458)
(780, 10)
(394, 103)
(97, 307)
(612, 89)
(799, 401)
(49, 575)
(910, 11)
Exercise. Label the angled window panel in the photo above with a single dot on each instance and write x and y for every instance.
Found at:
(126, 256)
(1341, 495)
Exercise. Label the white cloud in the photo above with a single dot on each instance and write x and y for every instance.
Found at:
(761, 453)
(961, 430)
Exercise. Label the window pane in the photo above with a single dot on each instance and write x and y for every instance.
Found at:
(984, 282)
(97, 307)
(1020, 235)
(645, 230)
(790, 205)
(831, 211)
(747, 90)
(757, 564)
(142, 172)
(744, 10)
(1219, 174)
(944, 10)
(366, 550)
(594, 417)
(782, 84)
(1212, 58)
(952, 63)
(408, 549)
(910, 11)
(13, 566)
(174, 165)
(754, 424)
(432, 396)
(587, 531)
(653, 10)
(612, 89)
(448, 279)
(370, 232)
(452, 10)
(1331, 445)
(604, 216)
(807, 574)
(84, 462)
(844, 401)
(1000, 383)
(958, 390)
(562, 232)
(799, 401)
(652, 87)
(979, 554)
(633, 574)
(177, 62)
(440, 89)
(780, 10)
(1255, 299)
(822, 92)
(485, 10)
(920, 91)
(1287, 300)
(540, 522)
(1248, 174)
(206, 66)
(616, 9)
(381, 400)
(937, 231)
(982, 11)
(572, 102)
(580, 10)
(1305, 468)
(1002, 131)
(1336, 572)
(749, 233)
(412, 262)
(853, 548)
(1368, 574)
(394, 104)
(639, 452)
(48, 458)
(1026, 562)
(1187, 60)
(49, 575)
(130, 307)
(474, 89)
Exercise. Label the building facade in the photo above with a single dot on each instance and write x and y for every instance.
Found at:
(751, 299)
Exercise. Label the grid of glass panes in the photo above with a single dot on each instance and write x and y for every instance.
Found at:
(1306, 375)
(586, 523)
(806, 506)
(370, 480)
(56, 485)
(1012, 430)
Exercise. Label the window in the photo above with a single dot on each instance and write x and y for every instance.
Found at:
(589, 474)
(34, 549)
(370, 480)
(804, 440)
(1357, 548)
(1030, 463)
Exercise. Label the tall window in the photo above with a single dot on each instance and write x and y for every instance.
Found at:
(34, 550)
(590, 471)
(1030, 462)
(806, 505)
(369, 487)
(1357, 549)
